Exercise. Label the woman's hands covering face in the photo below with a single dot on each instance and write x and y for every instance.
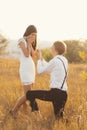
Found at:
(31, 38)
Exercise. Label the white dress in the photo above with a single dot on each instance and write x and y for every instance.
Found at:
(27, 66)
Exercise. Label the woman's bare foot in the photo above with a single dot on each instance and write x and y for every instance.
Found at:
(13, 114)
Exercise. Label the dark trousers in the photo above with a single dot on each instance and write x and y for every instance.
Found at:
(56, 96)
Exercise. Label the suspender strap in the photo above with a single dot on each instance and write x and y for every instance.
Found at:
(65, 72)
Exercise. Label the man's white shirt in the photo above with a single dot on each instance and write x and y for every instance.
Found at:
(56, 69)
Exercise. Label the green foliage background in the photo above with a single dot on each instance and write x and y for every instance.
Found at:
(74, 48)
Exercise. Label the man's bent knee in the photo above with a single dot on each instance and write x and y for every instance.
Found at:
(29, 95)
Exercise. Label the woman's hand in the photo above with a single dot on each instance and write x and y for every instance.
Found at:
(39, 55)
(30, 40)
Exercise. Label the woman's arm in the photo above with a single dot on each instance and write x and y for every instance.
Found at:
(24, 49)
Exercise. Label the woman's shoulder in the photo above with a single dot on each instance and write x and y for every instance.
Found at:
(21, 40)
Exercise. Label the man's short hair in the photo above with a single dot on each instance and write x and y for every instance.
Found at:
(60, 47)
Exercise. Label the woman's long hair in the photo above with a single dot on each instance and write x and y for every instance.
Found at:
(31, 29)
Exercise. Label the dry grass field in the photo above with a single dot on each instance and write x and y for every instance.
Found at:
(75, 117)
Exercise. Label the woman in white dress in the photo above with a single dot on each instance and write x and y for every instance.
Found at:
(27, 46)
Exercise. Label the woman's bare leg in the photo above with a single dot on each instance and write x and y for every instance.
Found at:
(26, 88)
(22, 100)
(19, 103)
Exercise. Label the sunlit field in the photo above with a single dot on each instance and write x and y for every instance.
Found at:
(75, 116)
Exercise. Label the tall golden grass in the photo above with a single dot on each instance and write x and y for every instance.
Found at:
(75, 117)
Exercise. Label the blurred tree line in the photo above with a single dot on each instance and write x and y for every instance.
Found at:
(3, 44)
(76, 51)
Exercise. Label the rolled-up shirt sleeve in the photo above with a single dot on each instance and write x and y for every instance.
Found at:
(43, 66)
